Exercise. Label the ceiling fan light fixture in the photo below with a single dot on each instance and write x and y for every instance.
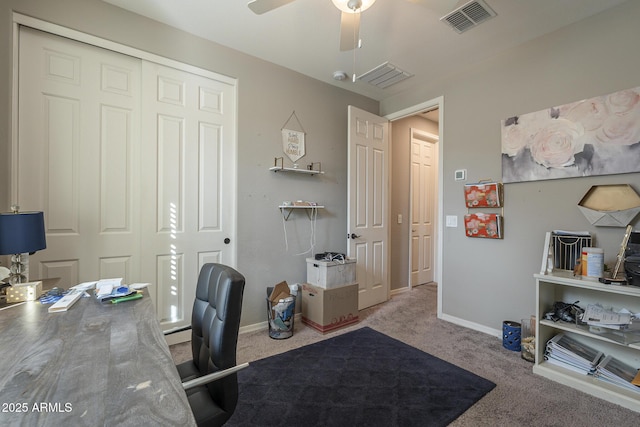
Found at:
(353, 6)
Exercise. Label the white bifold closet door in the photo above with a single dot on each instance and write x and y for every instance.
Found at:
(133, 164)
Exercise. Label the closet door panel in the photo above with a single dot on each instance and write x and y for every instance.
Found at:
(78, 157)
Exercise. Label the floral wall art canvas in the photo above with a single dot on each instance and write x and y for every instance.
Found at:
(597, 136)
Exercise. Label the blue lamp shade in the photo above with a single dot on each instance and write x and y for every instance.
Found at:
(21, 232)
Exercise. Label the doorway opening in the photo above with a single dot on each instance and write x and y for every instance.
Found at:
(416, 226)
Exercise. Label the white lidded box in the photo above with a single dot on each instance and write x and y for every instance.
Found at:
(331, 274)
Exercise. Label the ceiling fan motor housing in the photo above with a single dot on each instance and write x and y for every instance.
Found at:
(354, 4)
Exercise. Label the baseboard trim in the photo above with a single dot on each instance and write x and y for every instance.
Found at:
(452, 319)
(394, 292)
(178, 337)
(472, 325)
(261, 326)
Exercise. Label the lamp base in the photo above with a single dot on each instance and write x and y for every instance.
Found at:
(15, 279)
(19, 269)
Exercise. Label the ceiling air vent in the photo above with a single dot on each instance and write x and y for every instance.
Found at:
(384, 75)
(468, 15)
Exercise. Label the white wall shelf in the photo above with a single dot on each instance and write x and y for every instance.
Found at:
(311, 169)
(296, 170)
(563, 286)
(286, 210)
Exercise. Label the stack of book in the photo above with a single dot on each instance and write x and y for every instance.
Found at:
(564, 351)
(614, 371)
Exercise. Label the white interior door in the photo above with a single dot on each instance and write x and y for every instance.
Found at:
(78, 156)
(368, 204)
(423, 176)
(188, 182)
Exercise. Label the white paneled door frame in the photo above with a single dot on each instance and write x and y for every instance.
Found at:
(439, 220)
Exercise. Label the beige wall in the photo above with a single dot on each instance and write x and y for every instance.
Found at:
(486, 281)
(267, 95)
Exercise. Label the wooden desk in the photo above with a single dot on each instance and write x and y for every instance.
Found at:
(96, 364)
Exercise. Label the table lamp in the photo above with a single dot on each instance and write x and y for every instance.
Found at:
(21, 232)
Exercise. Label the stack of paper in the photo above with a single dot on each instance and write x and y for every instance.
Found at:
(622, 326)
(614, 371)
(565, 351)
(108, 289)
(596, 315)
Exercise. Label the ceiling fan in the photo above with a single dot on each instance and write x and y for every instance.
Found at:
(349, 22)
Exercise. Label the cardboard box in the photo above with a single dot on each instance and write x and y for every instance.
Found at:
(280, 291)
(19, 292)
(326, 310)
(331, 274)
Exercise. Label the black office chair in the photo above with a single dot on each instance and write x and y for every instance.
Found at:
(210, 379)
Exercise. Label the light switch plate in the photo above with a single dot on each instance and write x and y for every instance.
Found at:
(452, 221)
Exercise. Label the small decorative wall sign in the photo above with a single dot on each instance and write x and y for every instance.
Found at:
(293, 140)
(596, 136)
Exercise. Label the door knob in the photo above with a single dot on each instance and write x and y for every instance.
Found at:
(227, 241)
(353, 236)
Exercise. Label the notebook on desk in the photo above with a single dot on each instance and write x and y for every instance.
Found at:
(65, 302)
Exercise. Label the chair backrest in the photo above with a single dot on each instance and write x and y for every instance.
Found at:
(215, 324)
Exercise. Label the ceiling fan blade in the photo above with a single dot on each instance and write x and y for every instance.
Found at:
(349, 31)
(262, 6)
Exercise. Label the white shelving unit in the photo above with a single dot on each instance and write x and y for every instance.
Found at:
(563, 286)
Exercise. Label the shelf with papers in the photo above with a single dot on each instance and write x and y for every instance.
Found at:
(584, 331)
(563, 286)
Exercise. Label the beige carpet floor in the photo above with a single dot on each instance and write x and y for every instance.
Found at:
(520, 397)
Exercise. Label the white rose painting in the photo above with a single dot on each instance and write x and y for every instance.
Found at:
(598, 136)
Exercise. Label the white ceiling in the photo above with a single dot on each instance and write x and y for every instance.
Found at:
(304, 35)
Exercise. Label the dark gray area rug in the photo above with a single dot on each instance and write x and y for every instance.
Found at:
(361, 378)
